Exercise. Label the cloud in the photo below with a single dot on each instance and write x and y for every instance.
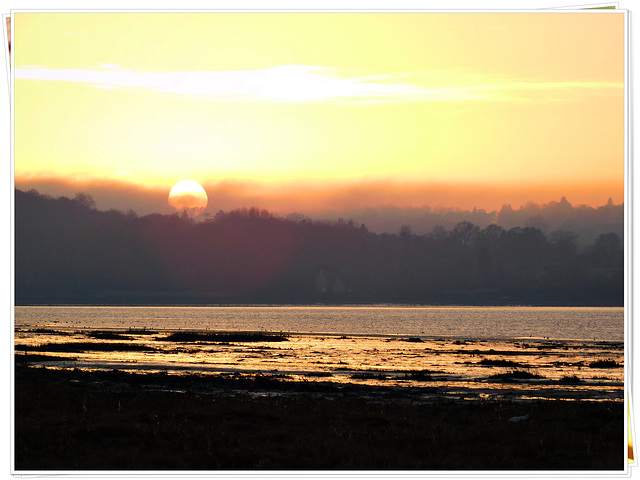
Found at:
(308, 84)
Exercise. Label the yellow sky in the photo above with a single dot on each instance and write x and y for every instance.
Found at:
(508, 99)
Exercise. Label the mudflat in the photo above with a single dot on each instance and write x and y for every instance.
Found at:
(77, 420)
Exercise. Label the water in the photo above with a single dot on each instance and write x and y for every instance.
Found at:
(604, 324)
(460, 353)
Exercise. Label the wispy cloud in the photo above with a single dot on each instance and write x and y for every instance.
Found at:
(302, 83)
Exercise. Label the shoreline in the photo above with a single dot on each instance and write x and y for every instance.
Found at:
(333, 305)
(28, 328)
(77, 420)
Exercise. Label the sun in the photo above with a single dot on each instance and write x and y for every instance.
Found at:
(189, 197)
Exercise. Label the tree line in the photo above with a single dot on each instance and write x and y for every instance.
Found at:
(68, 252)
(586, 221)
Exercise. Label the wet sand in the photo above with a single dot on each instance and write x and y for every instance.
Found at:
(111, 420)
(438, 368)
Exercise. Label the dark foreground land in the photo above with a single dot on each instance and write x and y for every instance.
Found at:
(72, 420)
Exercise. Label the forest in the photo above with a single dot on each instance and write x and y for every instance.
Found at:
(69, 252)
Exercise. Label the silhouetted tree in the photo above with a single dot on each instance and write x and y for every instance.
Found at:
(66, 251)
(439, 232)
(85, 200)
(607, 250)
(466, 233)
(566, 243)
(405, 234)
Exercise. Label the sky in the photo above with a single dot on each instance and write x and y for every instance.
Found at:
(313, 111)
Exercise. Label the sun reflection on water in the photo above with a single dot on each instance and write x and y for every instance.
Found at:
(464, 368)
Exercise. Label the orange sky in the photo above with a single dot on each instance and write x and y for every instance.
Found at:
(313, 111)
(315, 198)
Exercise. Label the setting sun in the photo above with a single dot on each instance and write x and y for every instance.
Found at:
(188, 196)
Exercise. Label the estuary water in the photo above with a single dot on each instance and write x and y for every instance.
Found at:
(604, 324)
(465, 353)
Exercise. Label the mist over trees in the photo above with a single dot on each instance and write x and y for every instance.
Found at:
(587, 222)
(67, 251)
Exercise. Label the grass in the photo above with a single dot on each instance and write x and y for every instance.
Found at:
(516, 375)
(420, 375)
(571, 379)
(608, 363)
(141, 331)
(48, 331)
(35, 357)
(223, 337)
(106, 335)
(491, 351)
(375, 374)
(85, 347)
(499, 363)
(73, 420)
(319, 374)
(369, 376)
